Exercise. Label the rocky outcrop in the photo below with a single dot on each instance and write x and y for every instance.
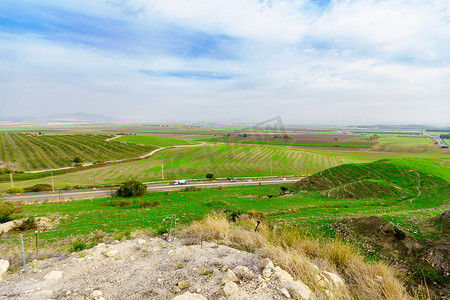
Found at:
(4, 265)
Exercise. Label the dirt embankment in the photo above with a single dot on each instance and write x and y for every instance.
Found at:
(429, 262)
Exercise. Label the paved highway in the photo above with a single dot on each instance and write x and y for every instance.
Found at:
(104, 192)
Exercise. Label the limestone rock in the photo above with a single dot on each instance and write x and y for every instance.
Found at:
(282, 275)
(4, 265)
(97, 295)
(243, 273)
(335, 279)
(112, 253)
(299, 290)
(53, 275)
(141, 242)
(184, 284)
(229, 277)
(267, 272)
(265, 262)
(285, 293)
(230, 288)
(189, 296)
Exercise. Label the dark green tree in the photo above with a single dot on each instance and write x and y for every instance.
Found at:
(132, 188)
(210, 176)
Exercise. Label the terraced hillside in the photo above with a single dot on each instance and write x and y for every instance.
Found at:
(30, 152)
(380, 179)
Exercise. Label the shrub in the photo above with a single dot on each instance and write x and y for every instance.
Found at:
(151, 204)
(29, 224)
(192, 189)
(15, 190)
(6, 210)
(210, 176)
(77, 246)
(77, 160)
(119, 203)
(132, 188)
(284, 188)
(38, 188)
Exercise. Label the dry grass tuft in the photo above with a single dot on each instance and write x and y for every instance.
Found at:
(212, 227)
(305, 258)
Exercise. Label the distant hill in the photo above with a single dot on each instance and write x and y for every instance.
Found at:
(381, 179)
(64, 117)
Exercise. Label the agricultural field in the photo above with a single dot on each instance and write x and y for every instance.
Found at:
(406, 144)
(223, 160)
(155, 141)
(31, 152)
(306, 206)
(294, 138)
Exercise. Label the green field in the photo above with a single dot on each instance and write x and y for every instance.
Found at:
(155, 141)
(406, 144)
(29, 152)
(310, 209)
(223, 160)
(294, 143)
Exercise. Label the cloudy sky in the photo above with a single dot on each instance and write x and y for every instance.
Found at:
(307, 61)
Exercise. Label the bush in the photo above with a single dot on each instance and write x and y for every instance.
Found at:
(151, 204)
(6, 171)
(210, 176)
(38, 188)
(119, 203)
(15, 190)
(29, 224)
(77, 246)
(77, 160)
(6, 210)
(192, 189)
(132, 188)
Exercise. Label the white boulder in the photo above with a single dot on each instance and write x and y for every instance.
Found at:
(299, 290)
(4, 265)
(189, 296)
(229, 277)
(230, 288)
(335, 279)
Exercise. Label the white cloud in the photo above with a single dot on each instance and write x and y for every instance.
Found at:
(290, 59)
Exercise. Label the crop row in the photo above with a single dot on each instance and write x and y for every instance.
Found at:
(221, 160)
(37, 152)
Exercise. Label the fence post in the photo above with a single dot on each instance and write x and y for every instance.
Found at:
(175, 227)
(36, 241)
(23, 254)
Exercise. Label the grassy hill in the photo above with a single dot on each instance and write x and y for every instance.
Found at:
(388, 178)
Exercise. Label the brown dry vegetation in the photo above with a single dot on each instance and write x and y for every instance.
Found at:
(299, 255)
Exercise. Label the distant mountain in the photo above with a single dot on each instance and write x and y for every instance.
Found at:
(80, 117)
(64, 117)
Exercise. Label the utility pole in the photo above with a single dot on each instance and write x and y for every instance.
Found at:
(162, 171)
(53, 186)
(12, 181)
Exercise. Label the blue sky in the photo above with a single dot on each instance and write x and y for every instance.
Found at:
(308, 61)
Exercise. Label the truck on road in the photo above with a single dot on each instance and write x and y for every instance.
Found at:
(179, 182)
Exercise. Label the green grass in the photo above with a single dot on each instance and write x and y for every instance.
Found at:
(293, 144)
(406, 144)
(222, 160)
(308, 209)
(384, 179)
(155, 141)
